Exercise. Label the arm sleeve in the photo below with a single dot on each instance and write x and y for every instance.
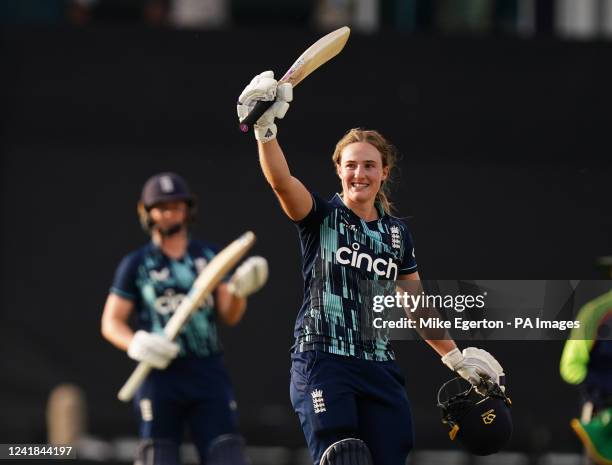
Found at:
(574, 360)
(320, 209)
(409, 264)
(124, 283)
(309, 232)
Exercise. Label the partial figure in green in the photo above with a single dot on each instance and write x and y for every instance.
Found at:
(587, 362)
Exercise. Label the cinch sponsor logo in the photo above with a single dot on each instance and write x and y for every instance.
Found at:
(170, 301)
(380, 266)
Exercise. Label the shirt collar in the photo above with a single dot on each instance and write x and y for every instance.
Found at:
(337, 201)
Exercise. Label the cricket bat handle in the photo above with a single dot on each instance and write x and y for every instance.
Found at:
(258, 110)
(134, 381)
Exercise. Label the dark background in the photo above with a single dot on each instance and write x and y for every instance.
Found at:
(505, 175)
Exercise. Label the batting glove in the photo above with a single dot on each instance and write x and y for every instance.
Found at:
(249, 277)
(474, 365)
(265, 87)
(154, 349)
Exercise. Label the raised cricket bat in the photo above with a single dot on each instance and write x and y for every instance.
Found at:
(316, 55)
(203, 286)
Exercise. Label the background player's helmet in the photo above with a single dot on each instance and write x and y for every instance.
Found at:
(164, 187)
(482, 424)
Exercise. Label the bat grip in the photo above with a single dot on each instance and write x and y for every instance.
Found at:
(258, 110)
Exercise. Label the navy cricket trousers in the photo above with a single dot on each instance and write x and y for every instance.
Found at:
(338, 397)
(192, 392)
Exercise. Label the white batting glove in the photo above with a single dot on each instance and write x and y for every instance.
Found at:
(154, 349)
(474, 365)
(265, 87)
(249, 277)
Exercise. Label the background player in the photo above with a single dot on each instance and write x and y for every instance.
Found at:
(190, 386)
(347, 390)
(587, 362)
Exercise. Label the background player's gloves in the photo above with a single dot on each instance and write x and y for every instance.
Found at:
(473, 365)
(249, 277)
(265, 87)
(153, 349)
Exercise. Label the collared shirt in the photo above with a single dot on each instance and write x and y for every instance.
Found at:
(157, 283)
(340, 250)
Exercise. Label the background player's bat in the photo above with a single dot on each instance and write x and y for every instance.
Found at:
(317, 54)
(202, 287)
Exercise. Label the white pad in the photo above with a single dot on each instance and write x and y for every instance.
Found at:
(349, 451)
(227, 449)
(154, 349)
(249, 277)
